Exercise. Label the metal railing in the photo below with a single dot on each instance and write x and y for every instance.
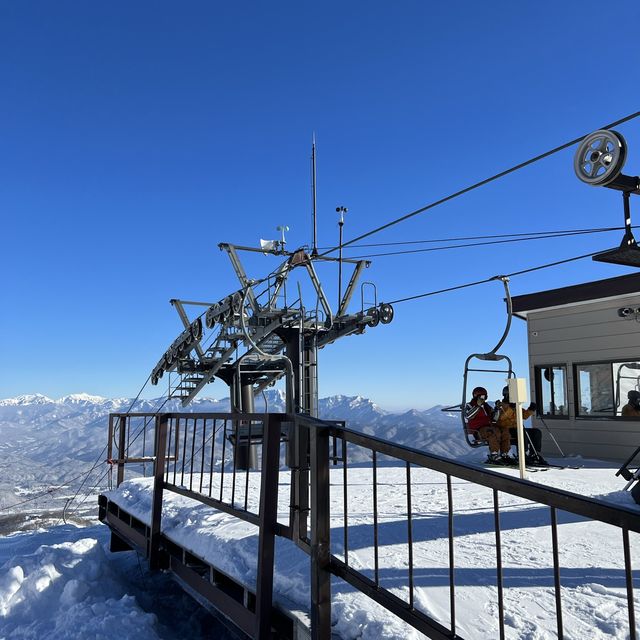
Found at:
(205, 457)
(191, 459)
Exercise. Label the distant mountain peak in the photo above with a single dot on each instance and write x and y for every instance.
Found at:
(81, 398)
(30, 398)
(331, 407)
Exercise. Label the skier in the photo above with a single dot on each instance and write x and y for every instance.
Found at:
(479, 418)
(632, 408)
(505, 417)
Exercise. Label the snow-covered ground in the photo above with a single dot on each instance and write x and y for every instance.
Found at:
(59, 581)
(62, 583)
(591, 554)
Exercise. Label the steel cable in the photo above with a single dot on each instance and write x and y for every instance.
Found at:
(477, 185)
(483, 237)
(492, 278)
(486, 243)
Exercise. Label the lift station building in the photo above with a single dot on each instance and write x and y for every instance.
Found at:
(584, 358)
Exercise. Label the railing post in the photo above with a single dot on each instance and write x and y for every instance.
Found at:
(301, 494)
(268, 520)
(320, 535)
(110, 440)
(123, 421)
(158, 485)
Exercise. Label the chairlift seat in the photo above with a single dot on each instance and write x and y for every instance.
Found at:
(472, 437)
(250, 436)
(247, 434)
(475, 440)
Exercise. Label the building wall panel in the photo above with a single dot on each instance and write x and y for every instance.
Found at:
(585, 332)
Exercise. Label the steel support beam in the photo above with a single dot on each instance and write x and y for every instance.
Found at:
(280, 277)
(246, 453)
(185, 321)
(318, 287)
(320, 536)
(123, 425)
(242, 275)
(355, 276)
(158, 485)
(268, 521)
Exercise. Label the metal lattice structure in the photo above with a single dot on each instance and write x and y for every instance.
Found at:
(250, 339)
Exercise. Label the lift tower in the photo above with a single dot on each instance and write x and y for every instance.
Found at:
(257, 335)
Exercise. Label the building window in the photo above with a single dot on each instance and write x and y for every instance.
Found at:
(626, 376)
(551, 390)
(602, 388)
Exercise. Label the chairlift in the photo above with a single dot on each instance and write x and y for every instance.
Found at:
(471, 436)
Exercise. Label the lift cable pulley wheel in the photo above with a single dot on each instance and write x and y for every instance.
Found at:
(374, 317)
(600, 157)
(386, 313)
(598, 162)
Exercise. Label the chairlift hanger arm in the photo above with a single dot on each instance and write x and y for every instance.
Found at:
(505, 282)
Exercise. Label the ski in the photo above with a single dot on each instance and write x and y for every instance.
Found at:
(511, 466)
(563, 466)
(531, 466)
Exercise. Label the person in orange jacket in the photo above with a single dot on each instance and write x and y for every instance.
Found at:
(480, 421)
(505, 418)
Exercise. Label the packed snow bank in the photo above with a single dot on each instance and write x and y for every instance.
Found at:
(63, 584)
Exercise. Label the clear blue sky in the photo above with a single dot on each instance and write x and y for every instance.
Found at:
(135, 137)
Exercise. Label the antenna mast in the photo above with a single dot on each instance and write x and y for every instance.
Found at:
(314, 251)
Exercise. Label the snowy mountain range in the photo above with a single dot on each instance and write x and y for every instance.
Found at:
(46, 442)
(74, 426)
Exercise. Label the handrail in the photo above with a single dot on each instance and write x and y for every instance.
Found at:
(228, 415)
(617, 515)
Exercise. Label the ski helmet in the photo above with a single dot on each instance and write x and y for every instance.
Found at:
(479, 391)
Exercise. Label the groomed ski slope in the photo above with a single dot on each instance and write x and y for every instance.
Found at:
(591, 555)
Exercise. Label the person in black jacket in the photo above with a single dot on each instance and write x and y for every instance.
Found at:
(632, 408)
